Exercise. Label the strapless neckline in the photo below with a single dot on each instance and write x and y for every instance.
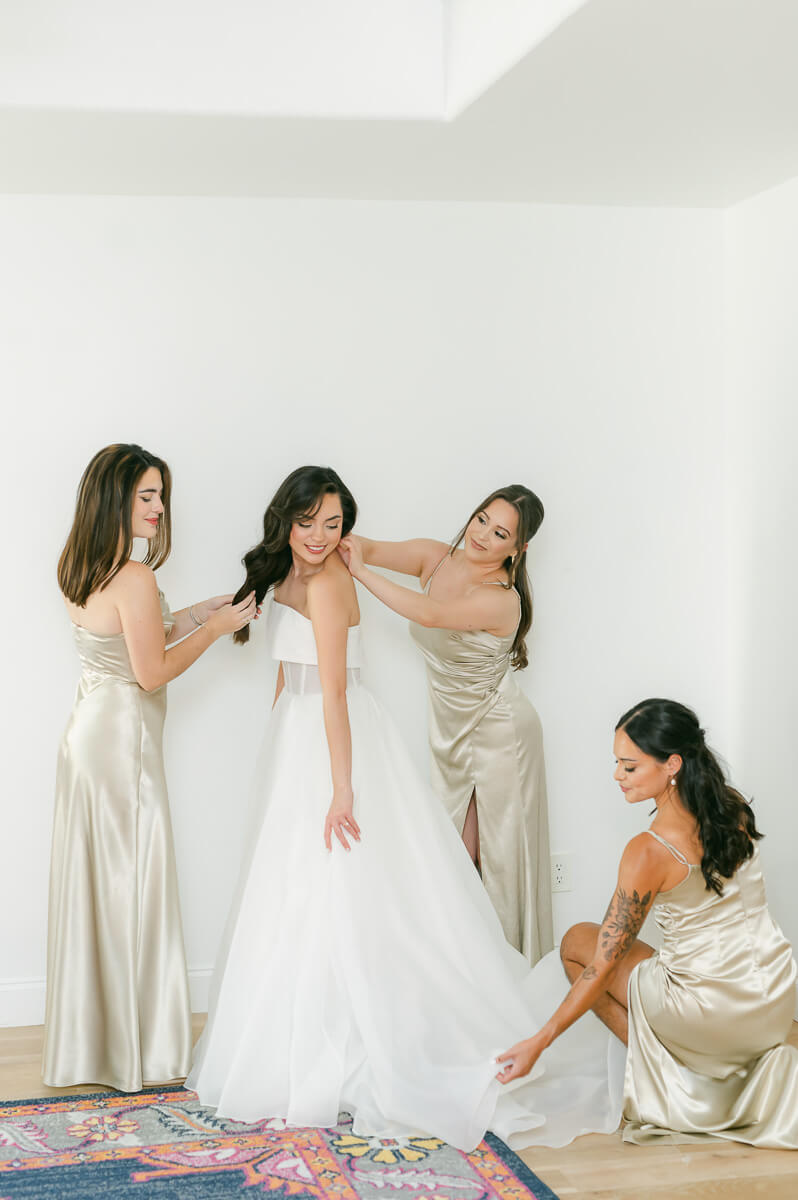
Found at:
(290, 607)
(106, 637)
(102, 636)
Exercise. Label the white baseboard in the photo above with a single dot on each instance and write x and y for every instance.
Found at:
(22, 1000)
(199, 982)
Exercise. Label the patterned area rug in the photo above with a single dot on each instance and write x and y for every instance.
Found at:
(162, 1144)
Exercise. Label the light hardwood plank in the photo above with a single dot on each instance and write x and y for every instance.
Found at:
(594, 1167)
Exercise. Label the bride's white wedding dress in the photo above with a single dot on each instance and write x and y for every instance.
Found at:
(378, 981)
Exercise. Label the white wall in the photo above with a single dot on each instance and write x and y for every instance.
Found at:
(429, 352)
(762, 358)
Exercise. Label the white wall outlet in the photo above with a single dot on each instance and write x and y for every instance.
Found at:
(561, 871)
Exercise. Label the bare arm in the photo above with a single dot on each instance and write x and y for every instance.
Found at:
(185, 623)
(640, 878)
(418, 556)
(490, 608)
(142, 625)
(330, 603)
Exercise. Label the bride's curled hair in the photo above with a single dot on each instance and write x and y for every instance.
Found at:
(725, 821)
(300, 495)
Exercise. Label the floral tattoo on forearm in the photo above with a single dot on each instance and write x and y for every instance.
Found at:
(622, 922)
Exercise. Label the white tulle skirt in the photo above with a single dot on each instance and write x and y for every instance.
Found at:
(378, 981)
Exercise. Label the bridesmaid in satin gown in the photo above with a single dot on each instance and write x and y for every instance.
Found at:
(470, 623)
(117, 992)
(706, 1019)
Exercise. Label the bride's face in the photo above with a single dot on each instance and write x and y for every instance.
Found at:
(491, 535)
(314, 537)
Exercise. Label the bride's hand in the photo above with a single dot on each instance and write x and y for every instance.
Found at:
(340, 821)
(520, 1059)
(352, 553)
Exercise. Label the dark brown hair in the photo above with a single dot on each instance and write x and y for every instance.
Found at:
(93, 554)
(530, 515)
(725, 821)
(300, 495)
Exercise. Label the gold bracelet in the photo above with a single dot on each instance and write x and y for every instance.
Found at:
(199, 624)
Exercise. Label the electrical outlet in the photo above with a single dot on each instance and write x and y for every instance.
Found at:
(561, 872)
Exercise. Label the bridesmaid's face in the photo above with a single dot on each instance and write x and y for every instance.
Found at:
(147, 504)
(492, 535)
(640, 776)
(314, 538)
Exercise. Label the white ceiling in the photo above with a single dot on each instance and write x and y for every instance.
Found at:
(629, 102)
(347, 60)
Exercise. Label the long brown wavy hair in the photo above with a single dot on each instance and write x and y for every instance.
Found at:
(94, 553)
(724, 818)
(300, 495)
(530, 515)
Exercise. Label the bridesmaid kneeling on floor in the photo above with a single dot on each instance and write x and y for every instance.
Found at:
(706, 1019)
(117, 993)
(470, 623)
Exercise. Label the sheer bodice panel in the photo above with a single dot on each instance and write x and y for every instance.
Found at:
(303, 679)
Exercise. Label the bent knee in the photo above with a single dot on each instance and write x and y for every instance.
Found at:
(579, 943)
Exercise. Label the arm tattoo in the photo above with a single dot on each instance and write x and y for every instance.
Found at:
(622, 922)
(589, 972)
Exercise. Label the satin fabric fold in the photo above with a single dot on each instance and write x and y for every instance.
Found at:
(118, 1008)
(708, 1016)
(486, 739)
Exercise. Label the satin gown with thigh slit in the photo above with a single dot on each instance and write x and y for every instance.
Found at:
(118, 1008)
(486, 742)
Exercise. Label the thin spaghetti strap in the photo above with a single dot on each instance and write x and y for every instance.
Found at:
(434, 569)
(677, 854)
(508, 587)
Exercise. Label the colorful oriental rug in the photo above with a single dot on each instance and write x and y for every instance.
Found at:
(161, 1144)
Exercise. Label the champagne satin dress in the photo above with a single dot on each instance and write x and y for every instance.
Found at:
(708, 1018)
(486, 740)
(118, 1009)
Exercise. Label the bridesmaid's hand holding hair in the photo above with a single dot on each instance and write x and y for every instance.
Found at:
(217, 602)
(228, 617)
(214, 604)
(189, 620)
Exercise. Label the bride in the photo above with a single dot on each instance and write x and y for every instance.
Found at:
(364, 969)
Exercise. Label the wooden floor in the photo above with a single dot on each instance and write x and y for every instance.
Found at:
(595, 1167)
